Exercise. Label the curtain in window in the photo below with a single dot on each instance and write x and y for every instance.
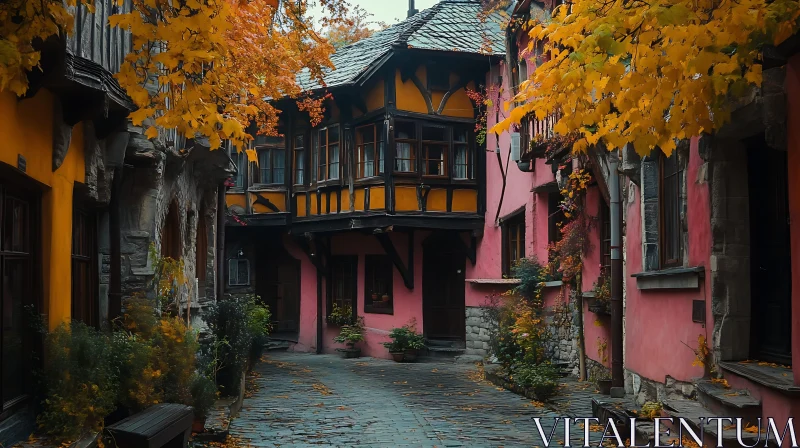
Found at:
(265, 166)
(333, 167)
(278, 169)
(403, 162)
(461, 163)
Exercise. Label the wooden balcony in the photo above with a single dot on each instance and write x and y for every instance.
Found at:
(536, 136)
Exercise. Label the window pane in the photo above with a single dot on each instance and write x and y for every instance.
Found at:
(333, 134)
(299, 164)
(434, 160)
(380, 156)
(461, 162)
(16, 291)
(378, 284)
(368, 161)
(314, 161)
(405, 129)
(241, 166)
(366, 135)
(434, 133)
(299, 141)
(404, 161)
(264, 166)
(460, 136)
(279, 157)
(333, 169)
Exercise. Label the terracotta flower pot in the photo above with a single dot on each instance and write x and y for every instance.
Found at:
(350, 352)
(398, 356)
(199, 425)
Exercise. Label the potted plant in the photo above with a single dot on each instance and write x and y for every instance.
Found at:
(604, 383)
(350, 335)
(406, 343)
(204, 394)
(341, 315)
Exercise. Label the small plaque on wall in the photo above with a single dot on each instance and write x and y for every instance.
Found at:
(22, 164)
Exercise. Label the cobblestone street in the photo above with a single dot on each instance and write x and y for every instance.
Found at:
(303, 399)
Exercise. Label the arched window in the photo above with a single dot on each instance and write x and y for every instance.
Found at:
(171, 234)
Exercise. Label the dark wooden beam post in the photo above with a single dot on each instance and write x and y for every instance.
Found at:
(406, 272)
(115, 246)
(221, 212)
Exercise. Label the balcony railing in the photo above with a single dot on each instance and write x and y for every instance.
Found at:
(535, 135)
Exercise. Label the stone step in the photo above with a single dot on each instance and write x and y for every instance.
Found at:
(436, 354)
(278, 345)
(722, 400)
(445, 343)
(692, 411)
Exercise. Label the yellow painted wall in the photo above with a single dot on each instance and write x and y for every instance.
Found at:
(405, 199)
(345, 200)
(458, 105)
(324, 205)
(232, 199)
(301, 205)
(276, 197)
(313, 203)
(374, 99)
(377, 198)
(334, 204)
(355, 111)
(26, 129)
(359, 198)
(465, 201)
(437, 200)
(408, 95)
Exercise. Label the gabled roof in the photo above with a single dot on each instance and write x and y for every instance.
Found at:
(450, 25)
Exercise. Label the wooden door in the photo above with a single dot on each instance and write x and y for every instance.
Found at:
(770, 256)
(279, 288)
(443, 276)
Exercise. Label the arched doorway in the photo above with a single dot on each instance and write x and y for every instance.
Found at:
(171, 234)
(201, 251)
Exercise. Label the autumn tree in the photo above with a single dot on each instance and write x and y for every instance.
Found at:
(206, 68)
(647, 73)
(356, 26)
(23, 22)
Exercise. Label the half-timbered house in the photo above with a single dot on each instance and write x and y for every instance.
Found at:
(376, 209)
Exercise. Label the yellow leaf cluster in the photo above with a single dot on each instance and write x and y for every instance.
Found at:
(648, 73)
(211, 68)
(23, 22)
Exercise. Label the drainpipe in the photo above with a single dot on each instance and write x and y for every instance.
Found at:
(115, 246)
(617, 374)
(221, 206)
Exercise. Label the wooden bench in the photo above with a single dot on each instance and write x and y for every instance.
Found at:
(162, 425)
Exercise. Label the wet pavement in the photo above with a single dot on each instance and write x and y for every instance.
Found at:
(323, 400)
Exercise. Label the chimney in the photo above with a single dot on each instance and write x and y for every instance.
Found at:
(411, 9)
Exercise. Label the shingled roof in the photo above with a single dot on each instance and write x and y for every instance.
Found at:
(450, 25)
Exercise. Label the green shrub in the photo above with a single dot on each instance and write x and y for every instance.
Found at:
(541, 379)
(238, 321)
(350, 335)
(340, 315)
(81, 382)
(405, 338)
(204, 394)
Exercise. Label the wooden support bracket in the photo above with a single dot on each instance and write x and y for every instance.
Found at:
(407, 272)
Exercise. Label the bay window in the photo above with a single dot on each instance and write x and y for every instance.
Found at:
(434, 143)
(463, 163)
(271, 165)
(405, 138)
(326, 153)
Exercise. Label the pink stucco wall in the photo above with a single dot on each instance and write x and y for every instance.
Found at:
(407, 303)
(659, 323)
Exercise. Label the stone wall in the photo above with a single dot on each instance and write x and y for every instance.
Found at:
(562, 343)
(643, 389)
(156, 180)
(478, 328)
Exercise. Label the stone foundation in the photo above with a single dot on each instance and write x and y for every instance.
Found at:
(643, 389)
(562, 344)
(478, 328)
